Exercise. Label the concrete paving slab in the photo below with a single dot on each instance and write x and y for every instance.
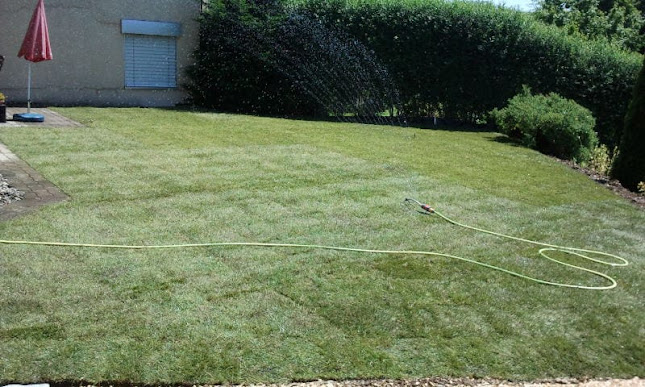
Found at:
(52, 119)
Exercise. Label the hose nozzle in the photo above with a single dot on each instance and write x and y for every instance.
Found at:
(428, 208)
(424, 207)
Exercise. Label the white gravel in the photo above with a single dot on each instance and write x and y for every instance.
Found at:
(8, 194)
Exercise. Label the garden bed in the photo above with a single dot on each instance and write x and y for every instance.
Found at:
(609, 183)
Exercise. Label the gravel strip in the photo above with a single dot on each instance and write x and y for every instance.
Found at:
(8, 194)
(460, 382)
(425, 382)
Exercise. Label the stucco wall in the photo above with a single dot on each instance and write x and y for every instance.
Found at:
(88, 47)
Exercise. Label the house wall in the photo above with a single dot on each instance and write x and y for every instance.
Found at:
(88, 48)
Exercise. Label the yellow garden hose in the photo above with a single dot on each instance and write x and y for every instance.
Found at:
(426, 210)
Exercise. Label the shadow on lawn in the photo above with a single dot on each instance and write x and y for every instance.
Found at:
(437, 123)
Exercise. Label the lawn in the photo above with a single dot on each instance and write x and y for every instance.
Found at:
(249, 314)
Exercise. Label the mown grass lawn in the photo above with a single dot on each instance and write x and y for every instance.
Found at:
(146, 176)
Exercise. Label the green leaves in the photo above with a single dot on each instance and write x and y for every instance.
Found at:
(548, 123)
(629, 167)
(619, 23)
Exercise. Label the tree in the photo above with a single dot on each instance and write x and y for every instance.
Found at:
(629, 167)
(618, 21)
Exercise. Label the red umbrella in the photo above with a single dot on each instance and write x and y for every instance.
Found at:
(35, 48)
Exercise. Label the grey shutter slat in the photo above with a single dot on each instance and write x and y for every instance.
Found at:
(150, 61)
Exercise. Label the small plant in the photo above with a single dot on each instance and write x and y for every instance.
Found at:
(641, 188)
(550, 124)
(601, 160)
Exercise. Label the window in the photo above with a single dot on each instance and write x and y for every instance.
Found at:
(150, 61)
(150, 53)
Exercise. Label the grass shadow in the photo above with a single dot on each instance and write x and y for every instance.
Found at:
(504, 139)
(450, 125)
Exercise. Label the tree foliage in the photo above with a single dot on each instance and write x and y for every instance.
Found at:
(620, 22)
(629, 167)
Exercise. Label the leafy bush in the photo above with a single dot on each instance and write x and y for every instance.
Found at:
(629, 167)
(601, 159)
(462, 59)
(549, 123)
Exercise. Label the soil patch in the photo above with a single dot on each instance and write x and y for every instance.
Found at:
(611, 184)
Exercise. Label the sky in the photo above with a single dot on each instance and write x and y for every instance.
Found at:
(522, 5)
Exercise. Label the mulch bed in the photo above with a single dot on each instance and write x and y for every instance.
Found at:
(611, 184)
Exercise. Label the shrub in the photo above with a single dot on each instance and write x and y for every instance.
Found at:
(629, 167)
(463, 59)
(601, 159)
(549, 123)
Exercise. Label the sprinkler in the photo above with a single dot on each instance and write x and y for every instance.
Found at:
(427, 210)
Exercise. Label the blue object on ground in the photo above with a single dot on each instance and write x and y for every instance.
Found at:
(29, 117)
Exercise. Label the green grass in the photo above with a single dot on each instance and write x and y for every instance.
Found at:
(146, 176)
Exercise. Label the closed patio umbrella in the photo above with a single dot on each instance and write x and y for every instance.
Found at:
(35, 48)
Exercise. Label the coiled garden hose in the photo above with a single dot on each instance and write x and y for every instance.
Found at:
(427, 210)
(424, 209)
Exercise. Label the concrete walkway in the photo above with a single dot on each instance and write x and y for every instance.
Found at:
(38, 190)
(52, 119)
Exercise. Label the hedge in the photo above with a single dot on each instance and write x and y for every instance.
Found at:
(462, 59)
(256, 57)
(229, 74)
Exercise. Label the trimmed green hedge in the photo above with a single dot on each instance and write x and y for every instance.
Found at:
(462, 59)
(228, 73)
(257, 57)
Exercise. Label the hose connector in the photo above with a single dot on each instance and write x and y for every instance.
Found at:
(428, 208)
(425, 207)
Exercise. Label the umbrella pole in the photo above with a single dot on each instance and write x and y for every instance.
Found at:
(29, 88)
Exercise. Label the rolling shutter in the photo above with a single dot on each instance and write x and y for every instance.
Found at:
(150, 61)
